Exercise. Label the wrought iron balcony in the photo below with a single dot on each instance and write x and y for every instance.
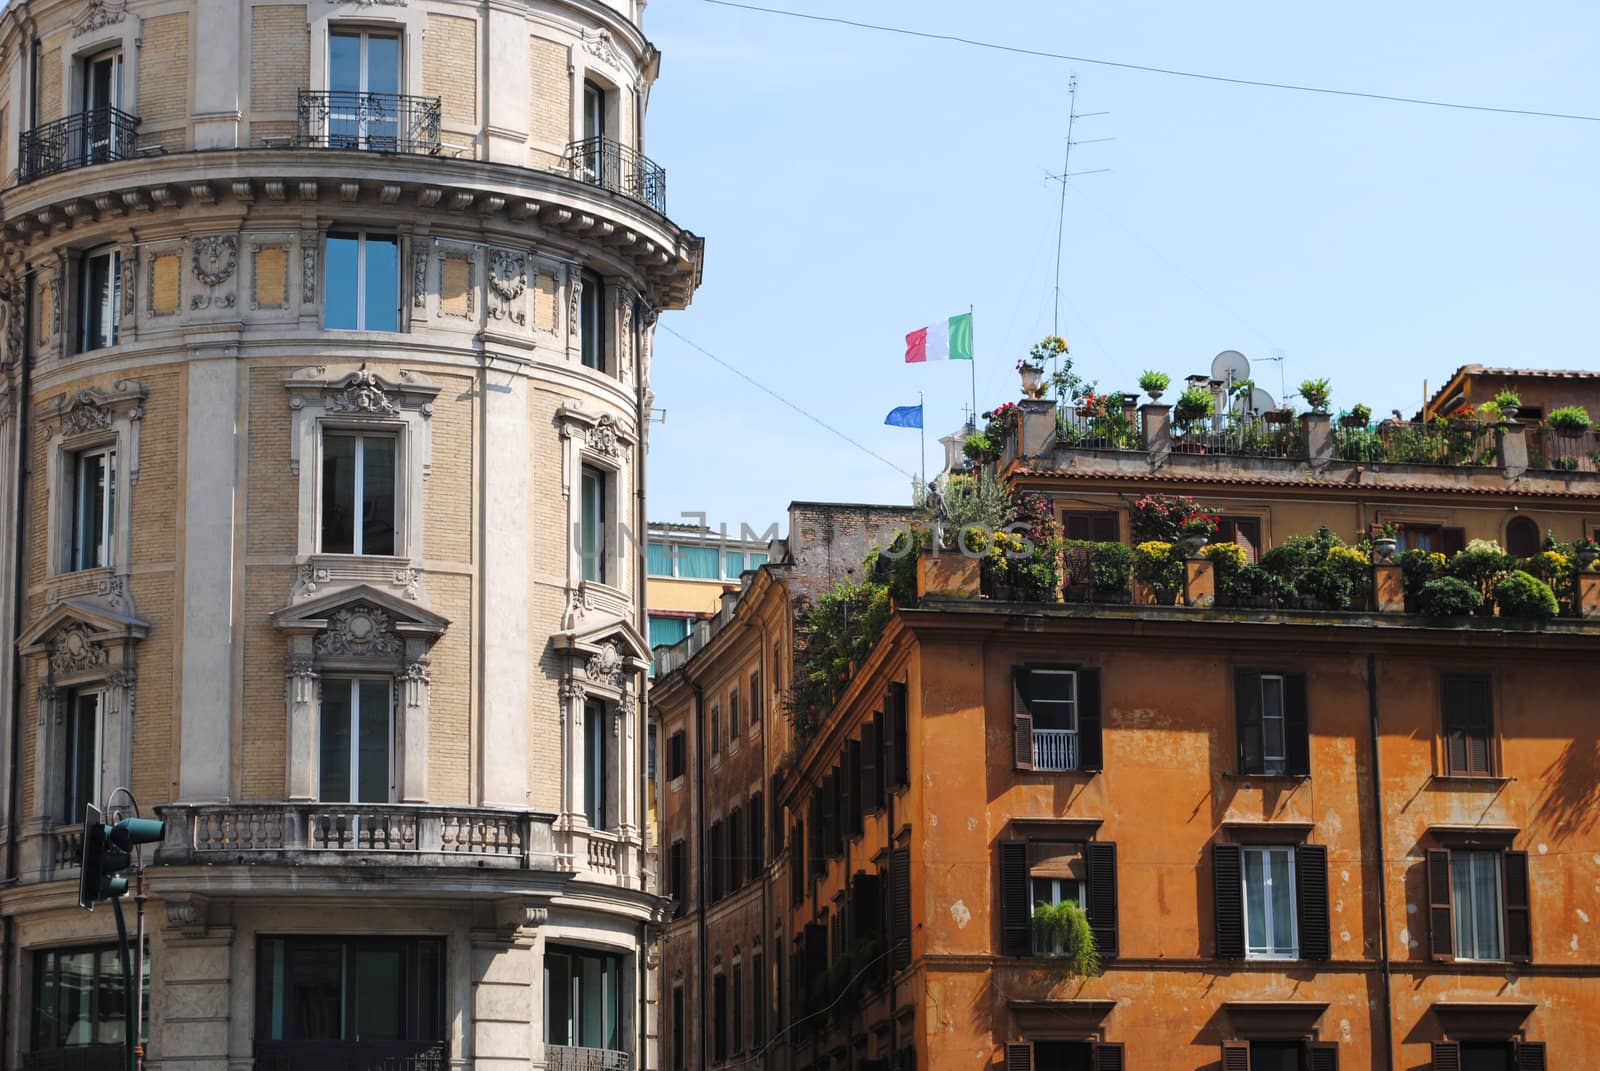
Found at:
(92, 137)
(352, 1056)
(371, 122)
(615, 167)
(575, 1058)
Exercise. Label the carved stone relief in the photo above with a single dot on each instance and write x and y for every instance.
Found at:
(100, 14)
(605, 665)
(75, 649)
(574, 300)
(602, 437)
(508, 279)
(359, 631)
(215, 258)
(363, 393)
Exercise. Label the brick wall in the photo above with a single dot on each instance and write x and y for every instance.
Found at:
(164, 79)
(262, 734)
(50, 103)
(447, 496)
(450, 67)
(450, 729)
(550, 106)
(280, 65)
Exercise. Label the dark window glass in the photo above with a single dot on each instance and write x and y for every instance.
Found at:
(678, 1027)
(1468, 723)
(349, 989)
(354, 747)
(94, 502)
(719, 1018)
(1245, 531)
(1486, 1055)
(592, 546)
(1098, 526)
(716, 730)
(1275, 1055)
(98, 300)
(1063, 1056)
(594, 764)
(591, 313)
(583, 998)
(1522, 537)
(83, 753)
(358, 493)
(79, 999)
(738, 1009)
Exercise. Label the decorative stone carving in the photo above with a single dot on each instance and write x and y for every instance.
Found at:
(127, 679)
(574, 300)
(84, 414)
(602, 437)
(601, 46)
(14, 323)
(186, 913)
(308, 273)
(127, 259)
(572, 690)
(625, 341)
(419, 280)
(362, 393)
(98, 15)
(359, 631)
(416, 679)
(215, 258)
(75, 650)
(302, 676)
(508, 279)
(577, 607)
(605, 665)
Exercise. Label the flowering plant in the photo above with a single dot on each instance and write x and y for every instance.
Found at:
(1046, 348)
(1034, 366)
(1199, 524)
(1156, 517)
(1316, 392)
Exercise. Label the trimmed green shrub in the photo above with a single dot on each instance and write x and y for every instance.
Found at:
(1524, 595)
(1449, 597)
(1569, 419)
(1327, 586)
(1482, 565)
(1110, 566)
(1417, 567)
(1253, 586)
(1294, 557)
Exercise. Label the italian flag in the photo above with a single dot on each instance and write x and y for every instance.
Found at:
(950, 340)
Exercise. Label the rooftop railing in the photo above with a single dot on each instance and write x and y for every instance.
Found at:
(81, 140)
(369, 122)
(1458, 444)
(1251, 438)
(1564, 451)
(1116, 430)
(614, 166)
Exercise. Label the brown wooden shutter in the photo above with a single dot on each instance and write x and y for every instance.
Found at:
(830, 813)
(1016, 906)
(797, 863)
(1480, 725)
(852, 755)
(890, 757)
(1100, 857)
(901, 768)
(1108, 1056)
(1227, 892)
(900, 910)
(1452, 718)
(735, 850)
(1091, 747)
(758, 836)
(1247, 706)
(871, 787)
(1452, 541)
(1311, 886)
(1441, 926)
(1296, 726)
(1530, 1056)
(1235, 1056)
(1019, 1056)
(1519, 919)
(1446, 1056)
(1103, 528)
(1021, 720)
(1322, 1056)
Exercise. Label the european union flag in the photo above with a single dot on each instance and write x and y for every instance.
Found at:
(905, 416)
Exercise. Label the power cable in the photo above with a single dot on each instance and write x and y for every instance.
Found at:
(1148, 69)
(774, 394)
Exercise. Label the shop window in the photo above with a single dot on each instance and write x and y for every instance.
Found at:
(1273, 731)
(1056, 719)
(364, 992)
(79, 1003)
(583, 998)
(359, 473)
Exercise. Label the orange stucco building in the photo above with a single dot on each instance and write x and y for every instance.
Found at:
(1302, 839)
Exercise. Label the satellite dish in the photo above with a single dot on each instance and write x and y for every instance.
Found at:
(1230, 366)
(1260, 402)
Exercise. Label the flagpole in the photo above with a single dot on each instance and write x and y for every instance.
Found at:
(922, 433)
(974, 363)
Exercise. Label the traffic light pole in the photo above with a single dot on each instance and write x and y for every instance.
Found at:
(138, 971)
(130, 1039)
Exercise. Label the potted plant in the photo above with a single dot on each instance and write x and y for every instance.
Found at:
(1064, 933)
(1281, 415)
(1195, 405)
(1195, 531)
(1159, 569)
(1569, 420)
(1508, 402)
(1032, 378)
(1359, 416)
(1317, 394)
(1587, 551)
(1154, 383)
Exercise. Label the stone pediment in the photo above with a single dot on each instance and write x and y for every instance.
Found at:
(380, 608)
(610, 653)
(92, 620)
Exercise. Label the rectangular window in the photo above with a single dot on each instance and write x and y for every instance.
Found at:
(1245, 531)
(716, 730)
(361, 282)
(79, 1001)
(1269, 903)
(1050, 698)
(591, 312)
(592, 543)
(1055, 876)
(734, 725)
(698, 563)
(719, 1018)
(358, 492)
(1095, 526)
(1468, 721)
(735, 849)
(1475, 885)
(349, 989)
(85, 755)
(583, 998)
(356, 744)
(666, 631)
(755, 559)
(732, 564)
(758, 1001)
(100, 288)
(658, 559)
(679, 1024)
(678, 877)
(94, 507)
(737, 1018)
(1431, 537)
(677, 755)
(363, 66)
(718, 853)
(758, 835)
(595, 735)
(1272, 727)
(755, 700)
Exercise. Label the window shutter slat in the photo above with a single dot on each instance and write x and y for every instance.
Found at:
(1311, 884)
(1235, 1056)
(1019, 1056)
(1108, 1056)
(902, 736)
(900, 874)
(1091, 749)
(1441, 928)
(1227, 891)
(871, 788)
(1100, 858)
(1296, 725)
(1247, 701)
(1022, 741)
(1519, 917)
(1016, 909)
(1322, 1056)
(1530, 1056)
(890, 758)
(1446, 1056)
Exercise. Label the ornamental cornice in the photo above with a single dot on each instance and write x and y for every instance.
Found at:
(547, 208)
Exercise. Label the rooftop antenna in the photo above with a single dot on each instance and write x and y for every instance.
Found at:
(1283, 380)
(1073, 115)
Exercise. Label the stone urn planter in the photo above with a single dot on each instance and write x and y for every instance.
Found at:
(1193, 545)
(1587, 556)
(1032, 379)
(1383, 549)
(1277, 416)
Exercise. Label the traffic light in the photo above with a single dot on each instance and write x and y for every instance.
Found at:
(108, 851)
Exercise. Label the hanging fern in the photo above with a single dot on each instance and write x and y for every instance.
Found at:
(1066, 925)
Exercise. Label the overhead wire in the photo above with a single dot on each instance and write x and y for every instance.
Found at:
(1388, 98)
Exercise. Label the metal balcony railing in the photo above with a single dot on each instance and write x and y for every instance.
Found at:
(352, 1056)
(576, 1058)
(615, 167)
(92, 137)
(371, 122)
(1055, 749)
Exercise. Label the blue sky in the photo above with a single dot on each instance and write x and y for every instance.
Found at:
(853, 185)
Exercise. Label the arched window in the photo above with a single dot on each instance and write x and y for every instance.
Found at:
(1522, 537)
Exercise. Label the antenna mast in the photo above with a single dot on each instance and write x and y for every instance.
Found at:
(1066, 172)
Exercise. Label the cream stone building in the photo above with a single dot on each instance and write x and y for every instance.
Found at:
(326, 334)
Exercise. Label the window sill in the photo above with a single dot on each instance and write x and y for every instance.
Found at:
(1262, 778)
(1469, 780)
(1060, 773)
